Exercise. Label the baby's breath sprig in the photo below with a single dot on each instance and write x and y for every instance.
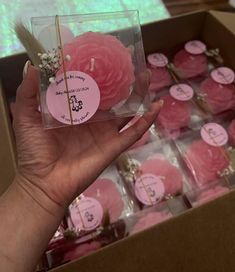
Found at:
(51, 63)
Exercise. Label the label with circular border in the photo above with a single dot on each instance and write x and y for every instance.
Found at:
(157, 60)
(181, 92)
(86, 214)
(149, 189)
(223, 75)
(83, 102)
(195, 47)
(214, 134)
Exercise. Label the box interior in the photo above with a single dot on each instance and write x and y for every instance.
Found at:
(200, 239)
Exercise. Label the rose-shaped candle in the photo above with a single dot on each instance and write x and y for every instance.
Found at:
(189, 65)
(218, 97)
(160, 78)
(174, 115)
(205, 161)
(105, 191)
(107, 61)
(170, 175)
(231, 132)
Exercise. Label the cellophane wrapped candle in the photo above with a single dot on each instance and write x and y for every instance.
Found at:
(157, 63)
(191, 61)
(216, 91)
(72, 249)
(105, 201)
(179, 112)
(153, 173)
(92, 68)
(207, 153)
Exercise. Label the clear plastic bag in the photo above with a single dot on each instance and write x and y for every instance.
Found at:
(153, 173)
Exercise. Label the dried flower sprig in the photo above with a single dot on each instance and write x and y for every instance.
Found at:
(47, 61)
(30, 43)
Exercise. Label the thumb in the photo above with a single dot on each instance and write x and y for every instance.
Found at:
(26, 96)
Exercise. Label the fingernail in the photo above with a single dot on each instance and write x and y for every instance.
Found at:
(26, 67)
(161, 103)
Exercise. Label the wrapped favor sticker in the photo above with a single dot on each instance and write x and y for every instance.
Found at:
(223, 75)
(181, 92)
(74, 99)
(149, 189)
(195, 47)
(157, 60)
(86, 214)
(214, 134)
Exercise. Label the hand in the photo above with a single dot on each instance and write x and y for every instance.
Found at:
(54, 166)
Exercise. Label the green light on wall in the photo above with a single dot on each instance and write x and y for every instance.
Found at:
(150, 10)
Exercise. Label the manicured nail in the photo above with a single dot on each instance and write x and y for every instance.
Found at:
(161, 103)
(26, 67)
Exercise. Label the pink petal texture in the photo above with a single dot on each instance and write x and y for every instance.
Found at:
(218, 97)
(190, 65)
(169, 174)
(106, 192)
(82, 250)
(231, 132)
(107, 61)
(160, 78)
(205, 161)
(149, 220)
(211, 194)
(174, 114)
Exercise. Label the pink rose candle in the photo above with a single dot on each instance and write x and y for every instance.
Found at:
(106, 192)
(218, 97)
(189, 65)
(160, 78)
(107, 61)
(205, 161)
(170, 175)
(174, 115)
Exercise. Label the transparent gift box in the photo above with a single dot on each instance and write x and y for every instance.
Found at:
(92, 67)
(104, 202)
(153, 173)
(208, 151)
(215, 91)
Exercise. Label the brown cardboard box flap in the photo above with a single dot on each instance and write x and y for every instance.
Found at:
(228, 19)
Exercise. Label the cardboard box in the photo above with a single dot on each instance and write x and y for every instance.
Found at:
(202, 239)
(7, 148)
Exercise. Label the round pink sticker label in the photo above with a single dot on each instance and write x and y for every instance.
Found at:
(86, 214)
(157, 60)
(214, 134)
(223, 75)
(181, 92)
(195, 47)
(149, 189)
(80, 101)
